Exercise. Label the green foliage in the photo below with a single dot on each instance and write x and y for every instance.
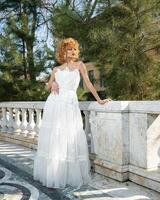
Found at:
(120, 37)
(119, 40)
(82, 94)
(21, 61)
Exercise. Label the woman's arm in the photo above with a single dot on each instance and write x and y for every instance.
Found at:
(51, 79)
(89, 85)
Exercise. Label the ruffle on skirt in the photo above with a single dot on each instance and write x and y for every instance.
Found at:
(62, 156)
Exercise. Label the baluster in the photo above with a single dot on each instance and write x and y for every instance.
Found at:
(24, 123)
(93, 128)
(4, 121)
(17, 121)
(31, 124)
(38, 121)
(10, 123)
(87, 125)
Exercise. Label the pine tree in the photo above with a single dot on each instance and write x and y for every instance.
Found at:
(21, 62)
(117, 37)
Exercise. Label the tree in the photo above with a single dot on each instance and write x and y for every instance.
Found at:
(116, 36)
(21, 61)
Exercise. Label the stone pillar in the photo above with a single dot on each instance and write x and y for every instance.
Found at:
(145, 143)
(110, 133)
(144, 136)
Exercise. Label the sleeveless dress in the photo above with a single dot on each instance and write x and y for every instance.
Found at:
(62, 156)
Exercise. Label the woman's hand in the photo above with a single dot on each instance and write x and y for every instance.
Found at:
(55, 87)
(103, 101)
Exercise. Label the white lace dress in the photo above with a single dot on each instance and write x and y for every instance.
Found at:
(62, 156)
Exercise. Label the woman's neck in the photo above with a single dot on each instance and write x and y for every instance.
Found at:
(69, 62)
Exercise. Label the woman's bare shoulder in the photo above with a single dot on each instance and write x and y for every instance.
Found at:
(60, 67)
(55, 68)
(79, 64)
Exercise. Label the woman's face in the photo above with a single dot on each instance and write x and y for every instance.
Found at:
(71, 53)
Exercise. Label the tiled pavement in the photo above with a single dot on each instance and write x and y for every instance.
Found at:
(16, 182)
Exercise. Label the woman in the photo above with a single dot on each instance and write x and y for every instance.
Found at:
(62, 154)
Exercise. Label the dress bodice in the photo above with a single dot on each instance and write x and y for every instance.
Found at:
(67, 79)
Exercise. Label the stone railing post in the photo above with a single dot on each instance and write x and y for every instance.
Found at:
(110, 134)
(145, 143)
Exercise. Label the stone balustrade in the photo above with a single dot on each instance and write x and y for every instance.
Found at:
(20, 121)
(123, 136)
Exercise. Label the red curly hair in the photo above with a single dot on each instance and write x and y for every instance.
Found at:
(62, 48)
